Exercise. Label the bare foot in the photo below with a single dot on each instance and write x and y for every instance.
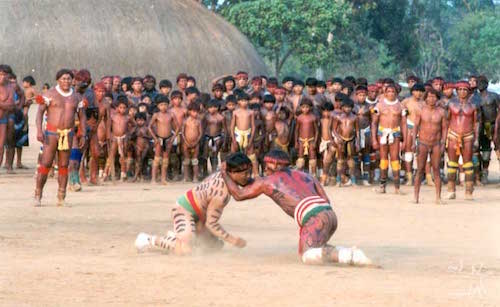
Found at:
(10, 171)
(37, 202)
(469, 197)
(398, 192)
(379, 190)
(60, 202)
(164, 182)
(439, 202)
(21, 166)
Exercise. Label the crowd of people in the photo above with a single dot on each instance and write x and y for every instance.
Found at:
(343, 131)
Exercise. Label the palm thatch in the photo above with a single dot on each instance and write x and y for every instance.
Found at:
(126, 37)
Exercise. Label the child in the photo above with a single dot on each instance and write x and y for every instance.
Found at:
(179, 112)
(215, 126)
(120, 122)
(191, 133)
(164, 132)
(269, 120)
(165, 87)
(228, 115)
(346, 131)
(282, 130)
(243, 128)
(259, 135)
(326, 147)
(143, 141)
(306, 136)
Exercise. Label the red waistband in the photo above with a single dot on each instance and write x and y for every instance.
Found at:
(192, 201)
(51, 128)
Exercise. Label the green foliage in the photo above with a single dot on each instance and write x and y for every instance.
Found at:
(288, 28)
(475, 44)
(371, 38)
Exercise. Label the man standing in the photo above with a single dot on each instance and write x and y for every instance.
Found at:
(431, 128)
(7, 105)
(388, 126)
(61, 103)
(490, 103)
(462, 137)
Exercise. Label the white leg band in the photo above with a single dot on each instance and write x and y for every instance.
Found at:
(344, 254)
(313, 256)
(408, 156)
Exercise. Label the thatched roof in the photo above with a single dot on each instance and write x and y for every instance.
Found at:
(126, 37)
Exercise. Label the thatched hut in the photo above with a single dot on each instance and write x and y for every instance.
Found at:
(126, 37)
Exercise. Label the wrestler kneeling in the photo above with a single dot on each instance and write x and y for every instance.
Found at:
(301, 196)
(197, 213)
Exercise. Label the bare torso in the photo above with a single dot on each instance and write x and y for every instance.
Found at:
(461, 117)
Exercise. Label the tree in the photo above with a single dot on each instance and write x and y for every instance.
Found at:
(284, 28)
(475, 45)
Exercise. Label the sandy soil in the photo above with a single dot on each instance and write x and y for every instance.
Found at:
(84, 254)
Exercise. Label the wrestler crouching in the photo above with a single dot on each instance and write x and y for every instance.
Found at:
(197, 213)
(302, 197)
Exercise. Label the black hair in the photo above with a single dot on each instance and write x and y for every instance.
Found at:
(337, 80)
(340, 97)
(277, 156)
(141, 115)
(432, 91)
(298, 82)
(311, 82)
(237, 161)
(348, 103)
(327, 106)
(191, 78)
(228, 79)
(150, 77)
(413, 78)
(306, 101)
(254, 107)
(361, 88)
(165, 83)
(242, 96)
(348, 85)
(161, 98)
(321, 83)
(418, 87)
(350, 79)
(46, 85)
(269, 99)
(204, 98)
(362, 81)
(5, 69)
(231, 98)
(286, 111)
(256, 95)
(388, 81)
(30, 80)
(121, 99)
(127, 81)
(272, 81)
(194, 106)
(218, 86)
(192, 90)
(213, 103)
(63, 72)
(287, 79)
(176, 93)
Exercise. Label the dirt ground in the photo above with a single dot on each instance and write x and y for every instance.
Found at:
(84, 254)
